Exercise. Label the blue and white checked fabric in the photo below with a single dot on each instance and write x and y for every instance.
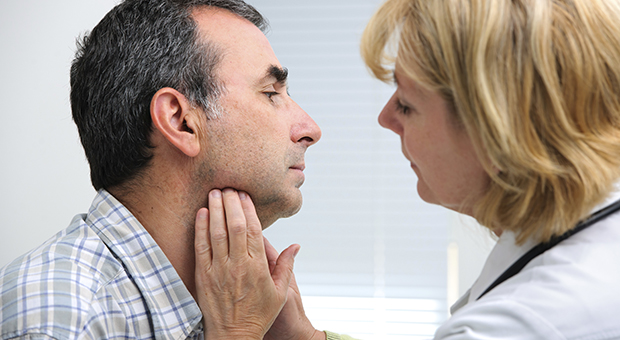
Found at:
(103, 277)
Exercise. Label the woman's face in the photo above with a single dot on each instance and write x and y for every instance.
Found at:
(440, 151)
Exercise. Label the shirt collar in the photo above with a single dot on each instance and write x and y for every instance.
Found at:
(175, 313)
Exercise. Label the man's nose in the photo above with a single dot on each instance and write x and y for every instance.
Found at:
(306, 129)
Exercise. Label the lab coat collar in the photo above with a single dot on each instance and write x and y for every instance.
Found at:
(504, 254)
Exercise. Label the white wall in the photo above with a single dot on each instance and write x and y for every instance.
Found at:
(44, 177)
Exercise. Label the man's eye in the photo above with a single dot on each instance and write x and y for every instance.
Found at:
(271, 94)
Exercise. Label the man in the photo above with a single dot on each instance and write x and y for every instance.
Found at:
(172, 99)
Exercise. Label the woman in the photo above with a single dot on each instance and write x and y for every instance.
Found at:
(509, 111)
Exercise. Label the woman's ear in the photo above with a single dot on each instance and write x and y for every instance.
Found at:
(174, 118)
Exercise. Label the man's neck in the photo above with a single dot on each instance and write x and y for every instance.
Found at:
(168, 215)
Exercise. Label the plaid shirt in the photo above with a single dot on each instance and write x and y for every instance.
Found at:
(103, 277)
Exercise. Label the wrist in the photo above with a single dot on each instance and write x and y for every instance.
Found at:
(232, 335)
(319, 335)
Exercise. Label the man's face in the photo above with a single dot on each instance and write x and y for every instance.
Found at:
(259, 142)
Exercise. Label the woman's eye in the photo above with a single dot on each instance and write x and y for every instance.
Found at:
(402, 108)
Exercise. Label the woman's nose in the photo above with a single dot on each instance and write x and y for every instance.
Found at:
(388, 117)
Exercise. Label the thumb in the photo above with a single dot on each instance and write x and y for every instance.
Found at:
(283, 270)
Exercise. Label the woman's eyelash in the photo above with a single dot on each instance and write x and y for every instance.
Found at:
(402, 108)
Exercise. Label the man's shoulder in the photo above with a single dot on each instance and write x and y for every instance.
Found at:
(74, 255)
(57, 287)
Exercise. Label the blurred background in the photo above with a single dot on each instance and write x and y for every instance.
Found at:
(376, 261)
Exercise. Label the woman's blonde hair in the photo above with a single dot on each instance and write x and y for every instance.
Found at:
(536, 85)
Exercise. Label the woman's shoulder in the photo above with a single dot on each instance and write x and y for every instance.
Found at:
(570, 291)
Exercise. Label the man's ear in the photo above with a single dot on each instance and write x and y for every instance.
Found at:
(173, 116)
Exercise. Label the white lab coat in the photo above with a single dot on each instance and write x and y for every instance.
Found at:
(572, 291)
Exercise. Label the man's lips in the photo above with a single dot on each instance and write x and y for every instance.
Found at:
(300, 167)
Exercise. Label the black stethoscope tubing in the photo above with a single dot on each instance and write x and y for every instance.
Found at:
(543, 247)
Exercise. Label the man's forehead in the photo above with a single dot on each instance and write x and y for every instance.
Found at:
(220, 24)
(234, 35)
(214, 13)
(246, 55)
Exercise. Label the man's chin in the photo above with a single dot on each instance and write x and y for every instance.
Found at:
(277, 211)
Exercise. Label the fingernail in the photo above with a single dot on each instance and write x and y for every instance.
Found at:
(216, 193)
(202, 214)
(296, 252)
(242, 195)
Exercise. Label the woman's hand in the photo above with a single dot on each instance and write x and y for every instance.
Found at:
(237, 293)
(292, 323)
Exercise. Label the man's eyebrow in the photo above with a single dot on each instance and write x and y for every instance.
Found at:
(280, 73)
